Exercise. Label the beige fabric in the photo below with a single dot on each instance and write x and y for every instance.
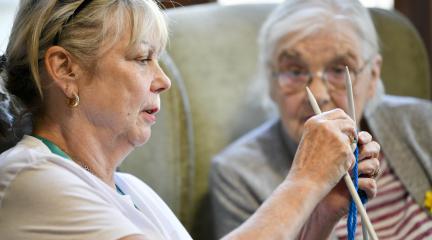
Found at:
(212, 59)
(45, 196)
(405, 69)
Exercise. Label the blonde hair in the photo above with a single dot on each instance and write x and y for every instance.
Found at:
(85, 36)
(100, 22)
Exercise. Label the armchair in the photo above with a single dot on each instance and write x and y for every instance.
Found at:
(211, 59)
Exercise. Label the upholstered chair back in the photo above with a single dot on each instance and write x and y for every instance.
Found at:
(211, 60)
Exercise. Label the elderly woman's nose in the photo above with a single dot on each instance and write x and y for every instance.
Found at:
(319, 89)
(161, 82)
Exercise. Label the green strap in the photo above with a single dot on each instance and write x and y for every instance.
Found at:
(52, 147)
(56, 150)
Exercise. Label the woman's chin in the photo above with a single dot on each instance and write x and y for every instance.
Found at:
(140, 138)
(294, 129)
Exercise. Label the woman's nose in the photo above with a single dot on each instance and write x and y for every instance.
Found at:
(161, 82)
(319, 89)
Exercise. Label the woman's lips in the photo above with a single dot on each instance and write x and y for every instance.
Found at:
(150, 115)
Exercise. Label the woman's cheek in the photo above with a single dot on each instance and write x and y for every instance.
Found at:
(292, 118)
(339, 101)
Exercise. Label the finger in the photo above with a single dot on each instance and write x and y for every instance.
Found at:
(336, 113)
(369, 186)
(368, 167)
(347, 128)
(345, 125)
(351, 162)
(364, 137)
(369, 150)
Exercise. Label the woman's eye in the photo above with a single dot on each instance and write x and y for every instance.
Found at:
(144, 61)
(296, 72)
(337, 70)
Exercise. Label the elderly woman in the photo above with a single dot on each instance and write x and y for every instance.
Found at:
(87, 76)
(309, 43)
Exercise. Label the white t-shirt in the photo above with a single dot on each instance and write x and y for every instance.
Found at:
(44, 196)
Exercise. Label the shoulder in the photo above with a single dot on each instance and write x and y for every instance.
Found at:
(250, 149)
(31, 164)
(407, 111)
(132, 182)
(150, 204)
(260, 158)
(405, 120)
(38, 193)
(27, 159)
(45, 181)
(406, 105)
(142, 193)
(31, 172)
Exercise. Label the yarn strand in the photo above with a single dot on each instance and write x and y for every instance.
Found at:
(352, 211)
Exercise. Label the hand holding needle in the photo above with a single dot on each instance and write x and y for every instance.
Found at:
(351, 112)
(347, 178)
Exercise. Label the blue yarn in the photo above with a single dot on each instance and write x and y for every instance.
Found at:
(352, 211)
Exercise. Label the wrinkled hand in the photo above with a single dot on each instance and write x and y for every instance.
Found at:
(324, 154)
(335, 205)
(323, 157)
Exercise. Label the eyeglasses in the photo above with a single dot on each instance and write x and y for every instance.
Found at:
(82, 5)
(295, 78)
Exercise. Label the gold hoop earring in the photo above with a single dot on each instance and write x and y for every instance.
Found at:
(74, 101)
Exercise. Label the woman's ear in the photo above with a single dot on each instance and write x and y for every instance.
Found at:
(375, 74)
(62, 69)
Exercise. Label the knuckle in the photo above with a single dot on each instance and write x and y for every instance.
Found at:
(377, 146)
(339, 111)
(350, 160)
(309, 123)
(364, 136)
(319, 125)
(327, 126)
(369, 184)
(373, 187)
(353, 125)
(376, 162)
(312, 122)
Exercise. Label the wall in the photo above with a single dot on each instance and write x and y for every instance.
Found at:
(7, 14)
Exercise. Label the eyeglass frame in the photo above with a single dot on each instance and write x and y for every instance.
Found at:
(321, 74)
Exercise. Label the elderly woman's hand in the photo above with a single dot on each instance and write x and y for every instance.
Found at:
(323, 157)
(335, 204)
(330, 135)
(324, 154)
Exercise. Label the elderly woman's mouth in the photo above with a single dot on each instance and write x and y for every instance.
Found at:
(305, 118)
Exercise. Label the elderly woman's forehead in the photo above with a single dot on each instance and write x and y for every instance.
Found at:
(296, 56)
(337, 42)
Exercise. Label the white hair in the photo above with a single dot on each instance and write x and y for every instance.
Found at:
(302, 18)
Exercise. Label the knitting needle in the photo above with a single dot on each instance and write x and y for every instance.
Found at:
(351, 111)
(347, 177)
